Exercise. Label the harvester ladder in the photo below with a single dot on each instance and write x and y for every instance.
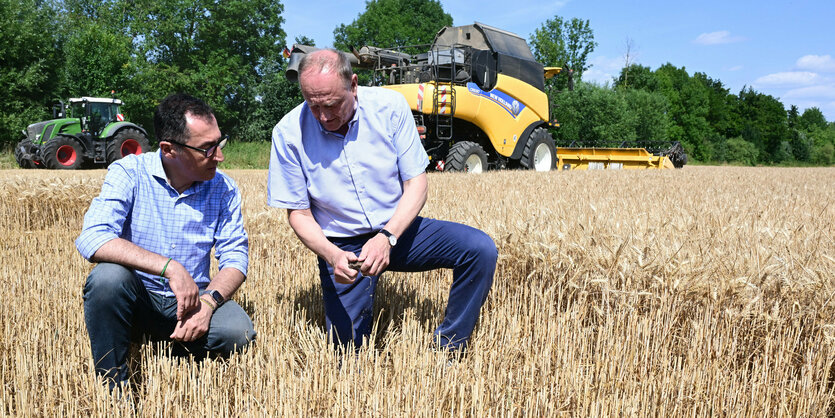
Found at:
(443, 96)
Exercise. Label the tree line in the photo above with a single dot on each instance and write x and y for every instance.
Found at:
(230, 54)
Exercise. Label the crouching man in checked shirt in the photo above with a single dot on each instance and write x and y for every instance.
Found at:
(151, 231)
(348, 166)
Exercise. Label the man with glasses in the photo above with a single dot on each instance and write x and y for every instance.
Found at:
(151, 231)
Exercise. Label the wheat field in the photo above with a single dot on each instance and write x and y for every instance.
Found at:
(706, 291)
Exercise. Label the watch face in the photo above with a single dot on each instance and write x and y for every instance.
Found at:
(216, 296)
(392, 240)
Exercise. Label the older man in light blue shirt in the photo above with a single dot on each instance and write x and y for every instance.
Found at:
(349, 167)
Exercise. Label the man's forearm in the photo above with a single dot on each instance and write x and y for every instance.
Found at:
(227, 281)
(310, 233)
(415, 191)
(128, 254)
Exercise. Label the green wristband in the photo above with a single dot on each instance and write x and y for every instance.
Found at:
(162, 273)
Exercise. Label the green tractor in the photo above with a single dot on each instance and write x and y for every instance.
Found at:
(93, 133)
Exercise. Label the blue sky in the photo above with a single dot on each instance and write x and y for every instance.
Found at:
(782, 48)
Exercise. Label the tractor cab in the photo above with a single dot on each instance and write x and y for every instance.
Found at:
(95, 113)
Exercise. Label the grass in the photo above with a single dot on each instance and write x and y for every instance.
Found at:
(239, 155)
(694, 292)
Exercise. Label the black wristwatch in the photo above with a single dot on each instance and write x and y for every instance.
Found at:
(390, 236)
(216, 296)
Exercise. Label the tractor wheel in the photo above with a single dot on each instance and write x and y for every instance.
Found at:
(63, 152)
(125, 142)
(466, 156)
(539, 154)
(24, 154)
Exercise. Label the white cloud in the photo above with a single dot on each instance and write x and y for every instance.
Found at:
(593, 75)
(736, 68)
(603, 69)
(790, 78)
(820, 92)
(603, 63)
(822, 63)
(716, 38)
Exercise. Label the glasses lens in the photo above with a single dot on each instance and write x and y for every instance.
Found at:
(210, 152)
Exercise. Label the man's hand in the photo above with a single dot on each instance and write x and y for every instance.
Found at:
(184, 288)
(194, 325)
(342, 272)
(375, 255)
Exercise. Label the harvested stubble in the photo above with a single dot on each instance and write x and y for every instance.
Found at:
(703, 291)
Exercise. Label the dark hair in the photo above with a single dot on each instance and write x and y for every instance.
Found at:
(170, 117)
(327, 63)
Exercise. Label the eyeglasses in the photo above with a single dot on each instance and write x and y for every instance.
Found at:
(209, 152)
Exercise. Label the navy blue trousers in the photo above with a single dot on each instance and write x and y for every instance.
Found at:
(426, 245)
(118, 310)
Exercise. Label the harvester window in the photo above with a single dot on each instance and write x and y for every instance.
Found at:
(484, 69)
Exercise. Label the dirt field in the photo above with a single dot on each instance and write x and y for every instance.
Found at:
(696, 292)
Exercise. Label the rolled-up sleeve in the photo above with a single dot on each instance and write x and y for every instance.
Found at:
(286, 183)
(411, 157)
(231, 240)
(106, 216)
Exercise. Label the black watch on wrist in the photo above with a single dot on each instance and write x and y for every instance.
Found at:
(390, 236)
(215, 294)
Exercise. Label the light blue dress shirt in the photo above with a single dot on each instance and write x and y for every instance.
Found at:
(137, 204)
(351, 183)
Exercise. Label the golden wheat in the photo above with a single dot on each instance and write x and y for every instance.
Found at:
(694, 292)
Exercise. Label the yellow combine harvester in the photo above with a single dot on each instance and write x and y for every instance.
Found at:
(479, 102)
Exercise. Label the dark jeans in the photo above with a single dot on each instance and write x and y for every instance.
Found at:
(426, 245)
(118, 309)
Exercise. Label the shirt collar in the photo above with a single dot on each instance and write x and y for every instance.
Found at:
(156, 167)
(158, 171)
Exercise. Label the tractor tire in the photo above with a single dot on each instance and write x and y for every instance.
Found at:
(25, 153)
(540, 153)
(125, 142)
(466, 156)
(63, 152)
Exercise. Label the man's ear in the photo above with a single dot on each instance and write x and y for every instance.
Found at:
(166, 148)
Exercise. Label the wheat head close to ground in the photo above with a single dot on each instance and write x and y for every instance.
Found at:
(693, 292)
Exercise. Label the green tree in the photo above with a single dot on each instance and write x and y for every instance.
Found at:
(812, 118)
(742, 151)
(220, 51)
(801, 145)
(764, 123)
(96, 60)
(793, 117)
(593, 116)
(566, 44)
(29, 64)
(689, 106)
(393, 23)
(651, 122)
(636, 76)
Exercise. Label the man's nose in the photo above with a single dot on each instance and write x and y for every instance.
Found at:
(219, 155)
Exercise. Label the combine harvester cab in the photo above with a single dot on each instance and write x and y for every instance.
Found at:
(479, 102)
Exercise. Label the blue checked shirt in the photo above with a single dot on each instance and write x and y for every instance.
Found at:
(353, 183)
(137, 204)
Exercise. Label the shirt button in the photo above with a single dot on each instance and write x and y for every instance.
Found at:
(173, 246)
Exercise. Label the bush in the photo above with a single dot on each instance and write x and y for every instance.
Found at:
(741, 151)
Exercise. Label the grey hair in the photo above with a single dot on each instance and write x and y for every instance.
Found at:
(336, 62)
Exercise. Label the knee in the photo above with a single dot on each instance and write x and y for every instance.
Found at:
(483, 248)
(108, 280)
(233, 338)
